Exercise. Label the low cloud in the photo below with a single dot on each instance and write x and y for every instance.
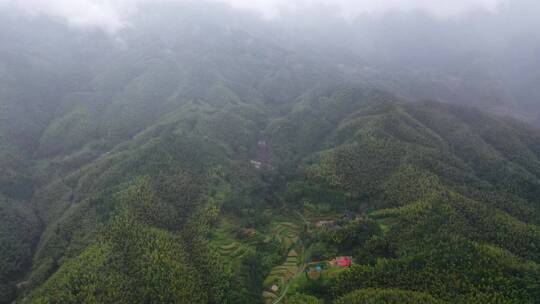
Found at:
(112, 14)
(353, 8)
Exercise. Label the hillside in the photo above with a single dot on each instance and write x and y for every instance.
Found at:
(439, 192)
(181, 161)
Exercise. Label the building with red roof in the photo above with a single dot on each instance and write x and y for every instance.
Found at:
(343, 261)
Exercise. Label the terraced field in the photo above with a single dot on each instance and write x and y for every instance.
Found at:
(225, 242)
(280, 276)
(233, 250)
(286, 233)
(313, 217)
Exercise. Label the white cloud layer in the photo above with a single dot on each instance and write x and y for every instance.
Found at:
(352, 8)
(111, 14)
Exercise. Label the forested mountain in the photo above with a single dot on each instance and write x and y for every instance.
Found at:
(196, 156)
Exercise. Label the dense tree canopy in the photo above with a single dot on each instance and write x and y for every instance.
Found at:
(134, 174)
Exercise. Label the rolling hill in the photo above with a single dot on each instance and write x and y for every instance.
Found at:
(127, 175)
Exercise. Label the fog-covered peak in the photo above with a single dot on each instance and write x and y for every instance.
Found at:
(112, 15)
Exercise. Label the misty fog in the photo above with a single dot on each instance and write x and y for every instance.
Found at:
(470, 52)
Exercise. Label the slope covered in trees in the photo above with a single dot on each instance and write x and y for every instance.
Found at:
(448, 209)
(19, 225)
(127, 175)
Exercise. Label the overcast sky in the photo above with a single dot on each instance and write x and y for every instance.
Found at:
(110, 14)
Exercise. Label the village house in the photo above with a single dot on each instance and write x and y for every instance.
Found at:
(325, 224)
(345, 261)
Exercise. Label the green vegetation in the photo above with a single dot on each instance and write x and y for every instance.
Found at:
(419, 208)
(281, 275)
(131, 182)
(285, 233)
(387, 296)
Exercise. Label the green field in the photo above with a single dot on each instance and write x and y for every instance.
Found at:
(285, 233)
(281, 276)
(225, 242)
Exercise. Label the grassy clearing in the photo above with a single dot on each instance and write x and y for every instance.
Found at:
(313, 217)
(281, 276)
(385, 224)
(269, 296)
(299, 283)
(286, 233)
(223, 239)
